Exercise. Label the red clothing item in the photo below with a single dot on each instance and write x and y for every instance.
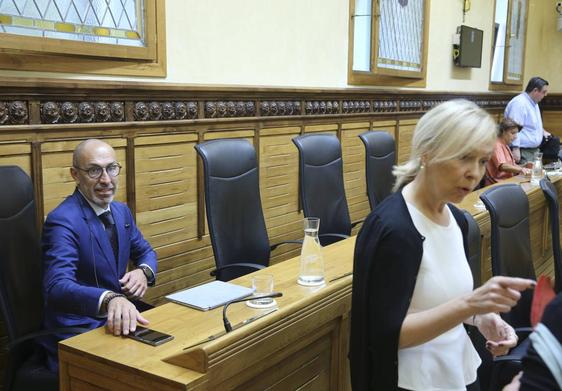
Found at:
(502, 154)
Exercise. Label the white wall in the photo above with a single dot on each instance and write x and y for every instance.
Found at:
(303, 43)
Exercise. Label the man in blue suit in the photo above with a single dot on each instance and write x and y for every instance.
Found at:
(88, 241)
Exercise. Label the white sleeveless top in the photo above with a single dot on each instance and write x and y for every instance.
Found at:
(449, 361)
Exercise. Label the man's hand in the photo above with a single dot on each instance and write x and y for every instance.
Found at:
(546, 134)
(122, 317)
(134, 284)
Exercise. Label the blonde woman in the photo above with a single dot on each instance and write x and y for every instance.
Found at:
(412, 286)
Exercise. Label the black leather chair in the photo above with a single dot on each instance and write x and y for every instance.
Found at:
(474, 261)
(233, 207)
(21, 298)
(321, 185)
(551, 196)
(508, 206)
(474, 249)
(380, 157)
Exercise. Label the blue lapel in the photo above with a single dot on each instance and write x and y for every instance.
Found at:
(98, 232)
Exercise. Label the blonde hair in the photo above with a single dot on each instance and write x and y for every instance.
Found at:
(448, 131)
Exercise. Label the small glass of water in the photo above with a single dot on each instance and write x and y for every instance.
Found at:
(536, 170)
(262, 284)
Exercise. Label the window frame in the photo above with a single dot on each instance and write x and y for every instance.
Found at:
(384, 76)
(506, 84)
(18, 52)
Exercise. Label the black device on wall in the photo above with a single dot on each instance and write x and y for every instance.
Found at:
(467, 52)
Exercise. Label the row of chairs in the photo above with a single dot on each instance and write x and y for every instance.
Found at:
(233, 204)
(508, 206)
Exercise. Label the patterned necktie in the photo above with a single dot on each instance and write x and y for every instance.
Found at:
(109, 224)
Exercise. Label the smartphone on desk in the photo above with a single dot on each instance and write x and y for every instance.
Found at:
(150, 336)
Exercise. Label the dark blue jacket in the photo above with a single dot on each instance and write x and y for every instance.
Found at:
(79, 264)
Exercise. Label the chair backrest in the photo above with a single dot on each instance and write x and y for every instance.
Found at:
(551, 196)
(474, 249)
(321, 183)
(380, 157)
(21, 266)
(233, 204)
(508, 206)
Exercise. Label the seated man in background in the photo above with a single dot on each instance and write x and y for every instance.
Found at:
(502, 164)
(524, 109)
(87, 242)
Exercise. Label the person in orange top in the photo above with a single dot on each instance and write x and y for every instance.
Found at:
(502, 164)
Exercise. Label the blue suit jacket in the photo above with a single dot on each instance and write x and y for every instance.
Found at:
(79, 264)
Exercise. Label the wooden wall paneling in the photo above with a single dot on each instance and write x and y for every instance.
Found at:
(279, 188)
(552, 121)
(404, 142)
(321, 128)
(166, 193)
(353, 152)
(385, 125)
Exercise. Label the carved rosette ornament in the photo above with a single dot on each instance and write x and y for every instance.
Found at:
(154, 111)
(50, 113)
(69, 112)
(18, 113)
(117, 110)
(410, 105)
(140, 111)
(102, 112)
(321, 107)
(279, 107)
(229, 109)
(356, 106)
(4, 113)
(384, 106)
(86, 112)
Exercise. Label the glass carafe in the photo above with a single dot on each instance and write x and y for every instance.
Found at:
(312, 261)
(536, 173)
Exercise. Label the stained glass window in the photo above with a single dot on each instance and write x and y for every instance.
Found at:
(118, 22)
(388, 41)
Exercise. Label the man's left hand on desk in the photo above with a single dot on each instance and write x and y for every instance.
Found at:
(122, 316)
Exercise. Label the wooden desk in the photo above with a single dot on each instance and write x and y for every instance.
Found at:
(304, 343)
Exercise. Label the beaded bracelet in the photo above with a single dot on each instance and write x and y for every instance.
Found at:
(110, 296)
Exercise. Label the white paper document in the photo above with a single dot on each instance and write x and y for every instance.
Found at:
(210, 295)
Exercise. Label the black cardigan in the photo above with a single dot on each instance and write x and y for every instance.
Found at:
(387, 258)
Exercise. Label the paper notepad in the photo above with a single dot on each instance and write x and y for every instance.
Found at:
(211, 295)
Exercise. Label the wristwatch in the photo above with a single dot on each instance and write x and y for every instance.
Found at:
(148, 274)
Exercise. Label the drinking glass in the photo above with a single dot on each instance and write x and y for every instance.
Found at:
(262, 284)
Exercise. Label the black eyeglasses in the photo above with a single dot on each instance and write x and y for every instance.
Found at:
(95, 172)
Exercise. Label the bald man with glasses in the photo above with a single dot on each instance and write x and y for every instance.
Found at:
(88, 241)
